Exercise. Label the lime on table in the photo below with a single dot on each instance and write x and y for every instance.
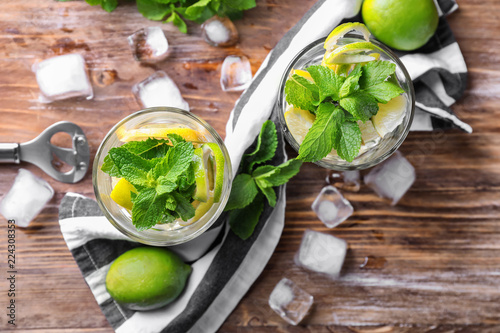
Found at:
(402, 24)
(299, 122)
(147, 278)
(389, 115)
(188, 134)
(121, 193)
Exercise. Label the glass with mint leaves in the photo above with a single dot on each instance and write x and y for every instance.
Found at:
(162, 176)
(346, 102)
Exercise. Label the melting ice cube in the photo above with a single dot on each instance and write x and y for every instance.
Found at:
(236, 73)
(63, 77)
(290, 302)
(159, 90)
(149, 45)
(346, 180)
(392, 178)
(321, 253)
(219, 31)
(331, 207)
(26, 198)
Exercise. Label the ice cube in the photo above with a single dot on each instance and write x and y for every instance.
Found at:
(236, 73)
(321, 253)
(26, 198)
(63, 77)
(290, 302)
(149, 45)
(392, 178)
(368, 131)
(219, 31)
(159, 90)
(346, 180)
(331, 207)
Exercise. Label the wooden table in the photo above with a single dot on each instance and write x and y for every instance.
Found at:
(435, 256)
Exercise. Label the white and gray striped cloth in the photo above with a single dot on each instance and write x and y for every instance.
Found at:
(223, 275)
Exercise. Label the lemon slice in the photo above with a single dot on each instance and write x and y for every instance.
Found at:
(219, 167)
(390, 115)
(368, 131)
(160, 133)
(304, 74)
(351, 53)
(299, 122)
(342, 30)
(121, 193)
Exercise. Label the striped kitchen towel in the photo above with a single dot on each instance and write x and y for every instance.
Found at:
(223, 274)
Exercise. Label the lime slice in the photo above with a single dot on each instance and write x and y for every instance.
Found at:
(342, 30)
(200, 174)
(299, 122)
(188, 134)
(368, 131)
(219, 167)
(351, 53)
(304, 74)
(390, 115)
(121, 193)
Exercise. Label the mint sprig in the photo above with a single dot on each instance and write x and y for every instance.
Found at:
(177, 11)
(339, 101)
(246, 201)
(162, 173)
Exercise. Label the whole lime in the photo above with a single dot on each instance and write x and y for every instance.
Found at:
(401, 24)
(146, 278)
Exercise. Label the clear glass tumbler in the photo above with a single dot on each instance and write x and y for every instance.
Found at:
(313, 55)
(162, 234)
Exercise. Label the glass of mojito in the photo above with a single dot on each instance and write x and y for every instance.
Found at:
(162, 176)
(346, 102)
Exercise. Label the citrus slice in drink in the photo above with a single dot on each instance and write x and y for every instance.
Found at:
(390, 115)
(200, 173)
(188, 134)
(201, 209)
(351, 53)
(216, 152)
(299, 122)
(304, 74)
(342, 30)
(121, 193)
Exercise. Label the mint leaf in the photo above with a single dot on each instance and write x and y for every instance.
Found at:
(267, 142)
(284, 172)
(109, 167)
(122, 157)
(264, 171)
(301, 93)
(135, 176)
(328, 82)
(360, 104)
(184, 207)
(176, 20)
(376, 72)
(147, 210)
(269, 194)
(164, 185)
(348, 141)
(153, 10)
(243, 221)
(195, 10)
(170, 202)
(175, 138)
(351, 83)
(319, 139)
(175, 162)
(107, 5)
(240, 4)
(385, 91)
(243, 192)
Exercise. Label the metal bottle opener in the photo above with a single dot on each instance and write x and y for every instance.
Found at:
(40, 151)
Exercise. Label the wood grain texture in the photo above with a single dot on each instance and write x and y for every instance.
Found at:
(437, 253)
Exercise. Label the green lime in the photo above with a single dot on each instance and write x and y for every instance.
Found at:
(351, 53)
(219, 168)
(401, 24)
(342, 30)
(200, 173)
(146, 278)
